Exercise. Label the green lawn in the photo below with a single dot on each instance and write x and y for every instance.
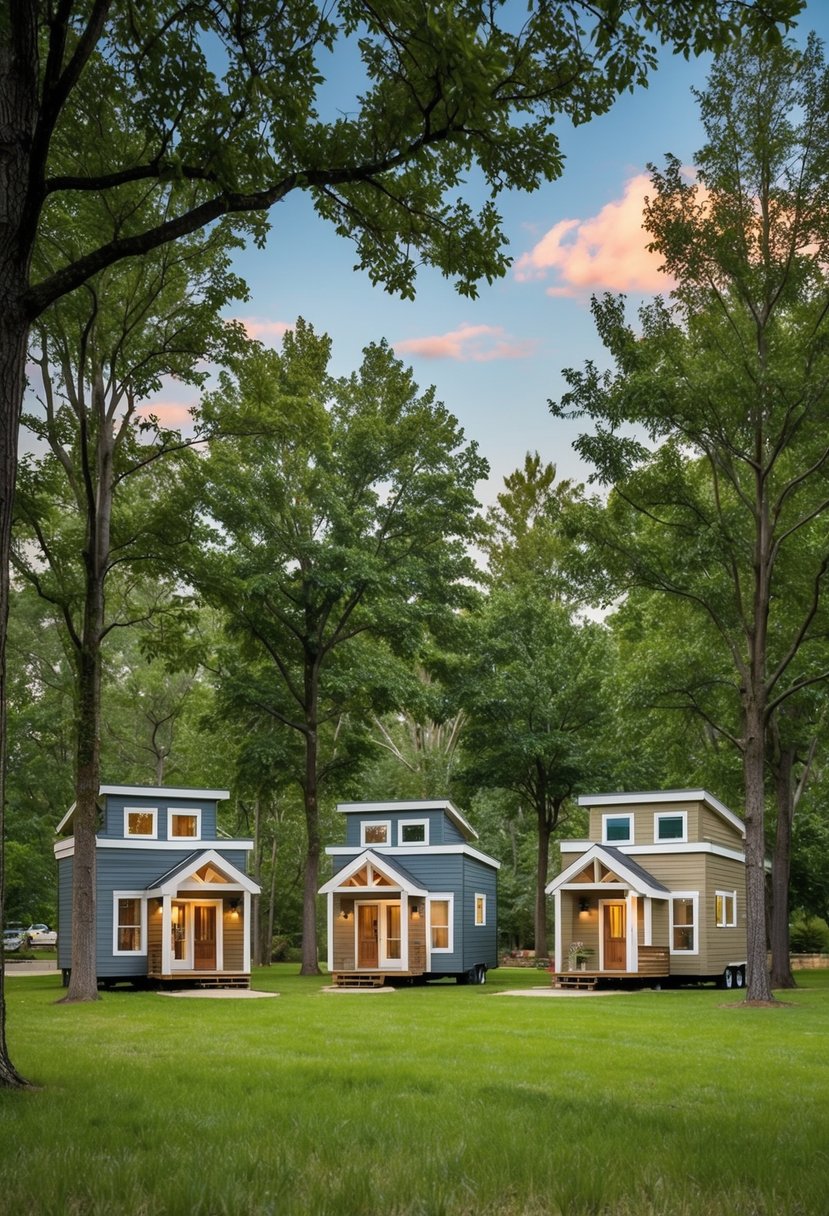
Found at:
(436, 1100)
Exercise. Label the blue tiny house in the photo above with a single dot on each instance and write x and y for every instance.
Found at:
(411, 898)
(173, 900)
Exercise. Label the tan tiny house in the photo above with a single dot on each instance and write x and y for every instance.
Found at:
(655, 894)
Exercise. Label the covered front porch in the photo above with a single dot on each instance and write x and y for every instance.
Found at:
(198, 923)
(377, 923)
(611, 921)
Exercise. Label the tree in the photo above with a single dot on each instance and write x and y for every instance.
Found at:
(340, 526)
(81, 518)
(730, 383)
(212, 108)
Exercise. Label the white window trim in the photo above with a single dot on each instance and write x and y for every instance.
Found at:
(413, 823)
(617, 815)
(449, 897)
(694, 897)
(725, 923)
(375, 823)
(139, 895)
(183, 810)
(660, 815)
(482, 896)
(140, 810)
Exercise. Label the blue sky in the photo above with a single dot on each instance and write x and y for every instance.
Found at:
(496, 361)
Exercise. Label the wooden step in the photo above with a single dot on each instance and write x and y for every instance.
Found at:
(572, 979)
(358, 979)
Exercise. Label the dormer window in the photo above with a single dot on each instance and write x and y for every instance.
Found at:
(375, 832)
(617, 829)
(183, 824)
(670, 826)
(141, 822)
(413, 831)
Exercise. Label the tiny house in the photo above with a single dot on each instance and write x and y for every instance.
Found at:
(173, 900)
(655, 894)
(411, 899)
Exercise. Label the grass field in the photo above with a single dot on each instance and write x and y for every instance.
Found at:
(437, 1101)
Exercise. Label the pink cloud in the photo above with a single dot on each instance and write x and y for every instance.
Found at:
(469, 344)
(605, 251)
(262, 329)
(168, 413)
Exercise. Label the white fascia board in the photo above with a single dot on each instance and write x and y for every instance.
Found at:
(404, 804)
(66, 848)
(66, 819)
(660, 849)
(161, 791)
(401, 851)
(650, 797)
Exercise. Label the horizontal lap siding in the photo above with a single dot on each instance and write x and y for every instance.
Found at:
(480, 942)
(116, 803)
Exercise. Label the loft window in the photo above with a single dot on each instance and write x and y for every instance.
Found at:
(375, 831)
(141, 821)
(413, 831)
(617, 829)
(183, 825)
(671, 827)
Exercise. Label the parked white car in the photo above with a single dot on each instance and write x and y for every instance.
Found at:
(12, 939)
(41, 935)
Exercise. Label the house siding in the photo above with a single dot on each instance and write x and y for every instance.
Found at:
(161, 801)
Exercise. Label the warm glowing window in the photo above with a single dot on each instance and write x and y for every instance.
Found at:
(726, 903)
(130, 924)
(480, 909)
(375, 833)
(393, 931)
(684, 924)
(184, 825)
(441, 923)
(140, 822)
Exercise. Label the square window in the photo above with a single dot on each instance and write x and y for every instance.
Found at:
(413, 831)
(184, 825)
(140, 821)
(618, 829)
(671, 827)
(375, 833)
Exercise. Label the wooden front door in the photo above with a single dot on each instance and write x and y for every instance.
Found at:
(204, 937)
(367, 955)
(615, 937)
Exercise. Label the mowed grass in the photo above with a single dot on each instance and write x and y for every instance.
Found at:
(438, 1101)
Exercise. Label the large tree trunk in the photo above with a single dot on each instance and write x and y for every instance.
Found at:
(18, 110)
(310, 962)
(542, 866)
(758, 986)
(781, 965)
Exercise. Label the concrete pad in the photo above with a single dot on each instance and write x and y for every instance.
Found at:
(237, 994)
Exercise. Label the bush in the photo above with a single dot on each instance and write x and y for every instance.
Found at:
(809, 935)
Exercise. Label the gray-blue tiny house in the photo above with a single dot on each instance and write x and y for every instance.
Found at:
(173, 900)
(411, 898)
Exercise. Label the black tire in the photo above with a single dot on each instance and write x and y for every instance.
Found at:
(728, 978)
(739, 978)
(480, 973)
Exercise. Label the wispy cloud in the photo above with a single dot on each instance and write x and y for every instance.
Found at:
(469, 344)
(604, 251)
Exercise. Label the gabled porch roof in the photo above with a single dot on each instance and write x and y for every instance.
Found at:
(617, 865)
(394, 876)
(218, 870)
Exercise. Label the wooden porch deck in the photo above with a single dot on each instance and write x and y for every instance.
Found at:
(202, 979)
(369, 979)
(654, 964)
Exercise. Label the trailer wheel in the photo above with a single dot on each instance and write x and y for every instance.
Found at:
(480, 973)
(728, 978)
(739, 977)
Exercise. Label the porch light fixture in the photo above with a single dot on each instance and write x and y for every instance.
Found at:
(234, 907)
(344, 914)
(584, 905)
